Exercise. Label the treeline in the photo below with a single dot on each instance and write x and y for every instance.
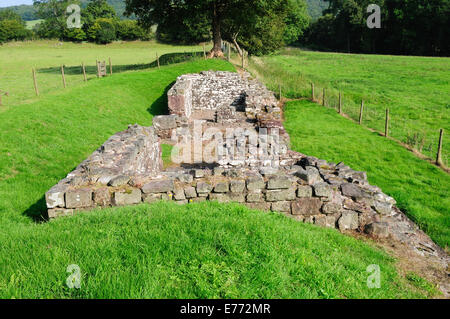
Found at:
(99, 23)
(408, 27)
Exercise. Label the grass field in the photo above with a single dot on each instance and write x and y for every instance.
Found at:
(163, 250)
(31, 24)
(421, 189)
(415, 89)
(47, 56)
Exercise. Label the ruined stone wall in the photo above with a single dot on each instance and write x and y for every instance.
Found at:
(215, 90)
(134, 152)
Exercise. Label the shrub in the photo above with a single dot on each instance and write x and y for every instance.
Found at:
(103, 31)
(74, 34)
(13, 30)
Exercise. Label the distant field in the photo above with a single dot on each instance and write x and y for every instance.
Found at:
(32, 23)
(160, 251)
(18, 58)
(415, 89)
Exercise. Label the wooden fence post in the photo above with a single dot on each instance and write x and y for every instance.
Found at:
(323, 97)
(204, 51)
(386, 125)
(110, 67)
(157, 60)
(243, 59)
(63, 76)
(439, 151)
(36, 90)
(98, 68)
(361, 112)
(340, 102)
(312, 91)
(84, 71)
(229, 52)
(279, 87)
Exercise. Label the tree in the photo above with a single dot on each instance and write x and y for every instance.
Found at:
(54, 14)
(94, 10)
(233, 20)
(8, 14)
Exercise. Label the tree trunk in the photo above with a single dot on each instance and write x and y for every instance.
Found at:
(217, 36)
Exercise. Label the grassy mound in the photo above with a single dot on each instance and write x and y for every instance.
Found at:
(421, 189)
(203, 250)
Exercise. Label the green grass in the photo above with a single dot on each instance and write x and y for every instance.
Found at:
(415, 89)
(32, 23)
(421, 189)
(203, 250)
(47, 56)
(163, 250)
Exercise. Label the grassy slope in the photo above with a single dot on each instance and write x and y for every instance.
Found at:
(162, 250)
(415, 89)
(422, 190)
(47, 56)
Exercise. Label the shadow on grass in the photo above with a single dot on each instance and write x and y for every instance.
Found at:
(38, 211)
(159, 106)
(166, 59)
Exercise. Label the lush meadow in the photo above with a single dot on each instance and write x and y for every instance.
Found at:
(416, 90)
(18, 58)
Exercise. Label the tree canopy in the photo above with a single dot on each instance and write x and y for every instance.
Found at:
(259, 26)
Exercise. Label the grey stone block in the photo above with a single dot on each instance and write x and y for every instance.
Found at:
(306, 206)
(162, 186)
(79, 198)
(127, 197)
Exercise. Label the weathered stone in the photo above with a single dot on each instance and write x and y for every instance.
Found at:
(237, 186)
(151, 198)
(119, 181)
(348, 220)
(161, 186)
(280, 195)
(181, 202)
(203, 187)
(306, 206)
(236, 197)
(55, 197)
(79, 198)
(322, 190)
(178, 193)
(310, 175)
(199, 173)
(190, 192)
(325, 221)
(198, 199)
(127, 197)
(259, 206)
(255, 197)
(377, 229)
(185, 178)
(218, 171)
(279, 182)
(331, 208)
(304, 191)
(284, 206)
(255, 183)
(165, 122)
(382, 208)
(220, 197)
(221, 187)
(353, 191)
(102, 197)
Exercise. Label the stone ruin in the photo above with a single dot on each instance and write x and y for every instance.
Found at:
(127, 169)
